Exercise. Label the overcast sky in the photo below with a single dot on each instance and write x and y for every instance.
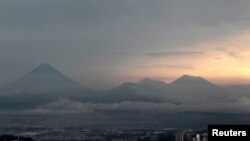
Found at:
(102, 43)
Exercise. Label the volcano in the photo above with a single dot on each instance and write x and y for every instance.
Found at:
(43, 78)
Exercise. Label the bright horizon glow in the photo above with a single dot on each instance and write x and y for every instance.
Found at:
(226, 61)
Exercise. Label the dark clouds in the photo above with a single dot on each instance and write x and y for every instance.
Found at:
(81, 37)
(165, 66)
(176, 53)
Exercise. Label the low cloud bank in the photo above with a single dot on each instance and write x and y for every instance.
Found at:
(64, 105)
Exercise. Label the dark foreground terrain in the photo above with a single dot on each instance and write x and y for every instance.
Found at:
(123, 119)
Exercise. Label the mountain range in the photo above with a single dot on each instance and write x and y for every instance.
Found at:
(45, 84)
(189, 101)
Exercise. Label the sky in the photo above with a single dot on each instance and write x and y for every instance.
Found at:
(103, 43)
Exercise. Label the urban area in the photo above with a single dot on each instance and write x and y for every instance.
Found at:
(116, 134)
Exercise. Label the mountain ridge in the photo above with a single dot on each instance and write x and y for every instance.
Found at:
(44, 84)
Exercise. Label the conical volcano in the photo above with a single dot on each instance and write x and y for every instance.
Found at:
(43, 78)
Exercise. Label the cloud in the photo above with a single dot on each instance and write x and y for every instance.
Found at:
(174, 53)
(165, 66)
(63, 105)
(211, 102)
(217, 58)
(84, 34)
(232, 54)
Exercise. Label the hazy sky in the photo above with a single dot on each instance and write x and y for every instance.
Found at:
(102, 43)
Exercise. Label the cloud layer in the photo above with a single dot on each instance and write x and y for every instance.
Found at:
(240, 106)
(83, 38)
(176, 53)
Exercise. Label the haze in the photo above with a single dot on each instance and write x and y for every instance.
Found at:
(104, 43)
